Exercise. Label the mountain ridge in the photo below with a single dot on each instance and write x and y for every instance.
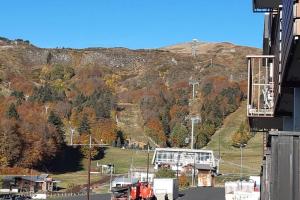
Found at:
(134, 76)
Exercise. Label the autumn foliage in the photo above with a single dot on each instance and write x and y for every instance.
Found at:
(242, 135)
(155, 130)
(35, 119)
(29, 140)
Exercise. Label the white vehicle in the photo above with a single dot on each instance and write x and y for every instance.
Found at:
(39, 196)
(165, 186)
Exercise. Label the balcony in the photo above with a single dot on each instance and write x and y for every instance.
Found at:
(260, 104)
(260, 86)
(265, 5)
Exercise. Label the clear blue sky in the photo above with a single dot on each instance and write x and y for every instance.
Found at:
(129, 23)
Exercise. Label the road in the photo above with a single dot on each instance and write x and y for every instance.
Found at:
(206, 193)
(92, 197)
(203, 193)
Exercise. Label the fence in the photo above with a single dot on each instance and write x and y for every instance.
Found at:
(281, 170)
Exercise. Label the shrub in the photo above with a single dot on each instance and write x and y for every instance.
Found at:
(242, 136)
(178, 135)
(183, 181)
(12, 112)
(165, 173)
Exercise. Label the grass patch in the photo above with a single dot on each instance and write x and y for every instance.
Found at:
(76, 178)
(230, 156)
(121, 158)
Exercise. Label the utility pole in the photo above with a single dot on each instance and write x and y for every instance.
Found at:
(90, 145)
(178, 156)
(148, 152)
(111, 167)
(89, 169)
(241, 175)
(194, 120)
(72, 133)
(241, 170)
(194, 47)
(194, 169)
(219, 145)
(193, 83)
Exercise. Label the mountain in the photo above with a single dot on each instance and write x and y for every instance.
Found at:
(129, 97)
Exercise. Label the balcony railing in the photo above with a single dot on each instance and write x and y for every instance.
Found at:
(260, 86)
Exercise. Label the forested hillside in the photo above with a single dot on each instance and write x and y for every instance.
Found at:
(47, 95)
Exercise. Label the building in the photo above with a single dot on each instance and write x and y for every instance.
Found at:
(206, 177)
(142, 175)
(273, 106)
(189, 161)
(123, 181)
(30, 183)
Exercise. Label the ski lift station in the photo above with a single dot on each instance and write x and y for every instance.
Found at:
(178, 159)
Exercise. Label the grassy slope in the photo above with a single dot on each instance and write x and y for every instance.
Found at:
(121, 158)
(230, 156)
(130, 121)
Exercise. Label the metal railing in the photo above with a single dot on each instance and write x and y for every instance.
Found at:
(260, 86)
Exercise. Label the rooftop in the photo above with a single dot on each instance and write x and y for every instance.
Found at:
(37, 179)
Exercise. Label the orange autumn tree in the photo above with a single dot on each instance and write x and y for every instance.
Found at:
(10, 142)
(85, 139)
(40, 139)
(105, 131)
(154, 129)
(20, 83)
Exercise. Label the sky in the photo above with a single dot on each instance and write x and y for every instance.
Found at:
(133, 24)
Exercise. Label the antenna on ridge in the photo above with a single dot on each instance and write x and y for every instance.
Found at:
(194, 47)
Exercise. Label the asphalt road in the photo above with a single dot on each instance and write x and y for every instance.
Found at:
(205, 193)
(92, 197)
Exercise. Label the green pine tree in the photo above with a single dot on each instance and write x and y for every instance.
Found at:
(178, 135)
(56, 121)
(84, 126)
(12, 112)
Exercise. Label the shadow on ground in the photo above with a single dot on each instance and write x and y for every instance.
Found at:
(69, 160)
